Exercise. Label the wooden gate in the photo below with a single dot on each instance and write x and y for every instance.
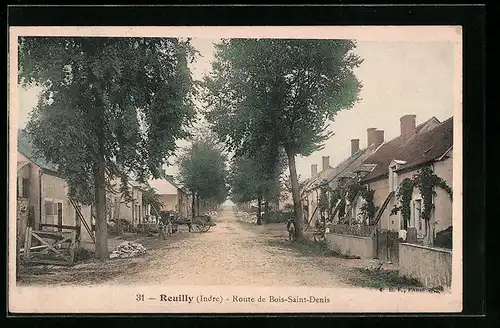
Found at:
(55, 247)
(22, 219)
(388, 245)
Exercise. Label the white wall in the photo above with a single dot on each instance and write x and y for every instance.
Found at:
(431, 266)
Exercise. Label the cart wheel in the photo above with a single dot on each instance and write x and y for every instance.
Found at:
(199, 227)
(205, 227)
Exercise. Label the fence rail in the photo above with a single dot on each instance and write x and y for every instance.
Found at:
(43, 225)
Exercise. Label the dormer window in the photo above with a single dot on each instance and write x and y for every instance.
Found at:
(393, 176)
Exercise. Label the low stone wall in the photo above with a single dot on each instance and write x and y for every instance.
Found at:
(364, 247)
(430, 265)
(354, 230)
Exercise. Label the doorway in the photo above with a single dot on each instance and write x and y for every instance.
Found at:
(59, 216)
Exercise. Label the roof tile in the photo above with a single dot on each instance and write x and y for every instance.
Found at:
(422, 148)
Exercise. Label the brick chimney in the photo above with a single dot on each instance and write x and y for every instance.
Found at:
(370, 136)
(408, 126)
(354, 146)
(314, 169)
(379, 137)
(326, 162)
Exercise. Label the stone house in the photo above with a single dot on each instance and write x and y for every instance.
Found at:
(429, 144)
(45, 193)
(130, 209)
(349, 168)
(310, 189)
(173, 196)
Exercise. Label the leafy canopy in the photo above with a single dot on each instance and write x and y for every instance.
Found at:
(252, 178)
(121, 102)
(281, 91)
(202, 169)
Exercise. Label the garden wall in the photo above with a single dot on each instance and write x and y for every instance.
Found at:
(430, 265)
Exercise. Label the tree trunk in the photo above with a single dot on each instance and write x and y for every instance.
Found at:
(259, 210)
(297, 206)
(101, 226)
(198, 204)
(193, 207)
(116, 210)
(266, 210)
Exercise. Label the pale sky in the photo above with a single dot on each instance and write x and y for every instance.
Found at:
(398, 78)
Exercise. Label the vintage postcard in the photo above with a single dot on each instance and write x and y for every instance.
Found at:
(235, 169)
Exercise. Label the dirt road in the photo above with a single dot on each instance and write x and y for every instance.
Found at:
(236, 253)
(231, 253)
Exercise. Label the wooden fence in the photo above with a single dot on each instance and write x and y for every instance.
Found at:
(54, 247)
(388, 245)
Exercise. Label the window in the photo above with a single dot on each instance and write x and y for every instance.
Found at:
(412, 215)
(50, 208)
(25, 186)
(53, 213)
(393, 178)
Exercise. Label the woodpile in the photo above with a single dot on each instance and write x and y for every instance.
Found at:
(128, 249)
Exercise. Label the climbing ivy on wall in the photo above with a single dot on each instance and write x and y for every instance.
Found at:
(323, 200)
(352, 189)
(404, 194)
(426, 181)
(368, 209)
(334, 198)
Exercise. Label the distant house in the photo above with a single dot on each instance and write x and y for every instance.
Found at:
(173, 196)
(44, 191)
(427, 145)
(310, 189)
(129, 208)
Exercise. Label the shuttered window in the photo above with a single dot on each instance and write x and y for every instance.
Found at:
(50, 208)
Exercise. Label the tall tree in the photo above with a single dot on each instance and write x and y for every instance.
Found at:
(282, 90)
(256, 177)
(110, 108)
(202, 170)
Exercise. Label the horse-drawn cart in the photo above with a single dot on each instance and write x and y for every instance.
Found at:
(201, 223)
(169, 222)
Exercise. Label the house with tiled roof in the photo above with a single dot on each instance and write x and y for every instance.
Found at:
(173, 196)
(309, 191)
(45, 193)
(129, 208)
(351, 167)
(427, 145)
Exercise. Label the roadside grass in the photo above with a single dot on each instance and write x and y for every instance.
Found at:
(307, 247)
(382, 279)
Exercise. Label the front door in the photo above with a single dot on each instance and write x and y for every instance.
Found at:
(419, 222)
(59, 216)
